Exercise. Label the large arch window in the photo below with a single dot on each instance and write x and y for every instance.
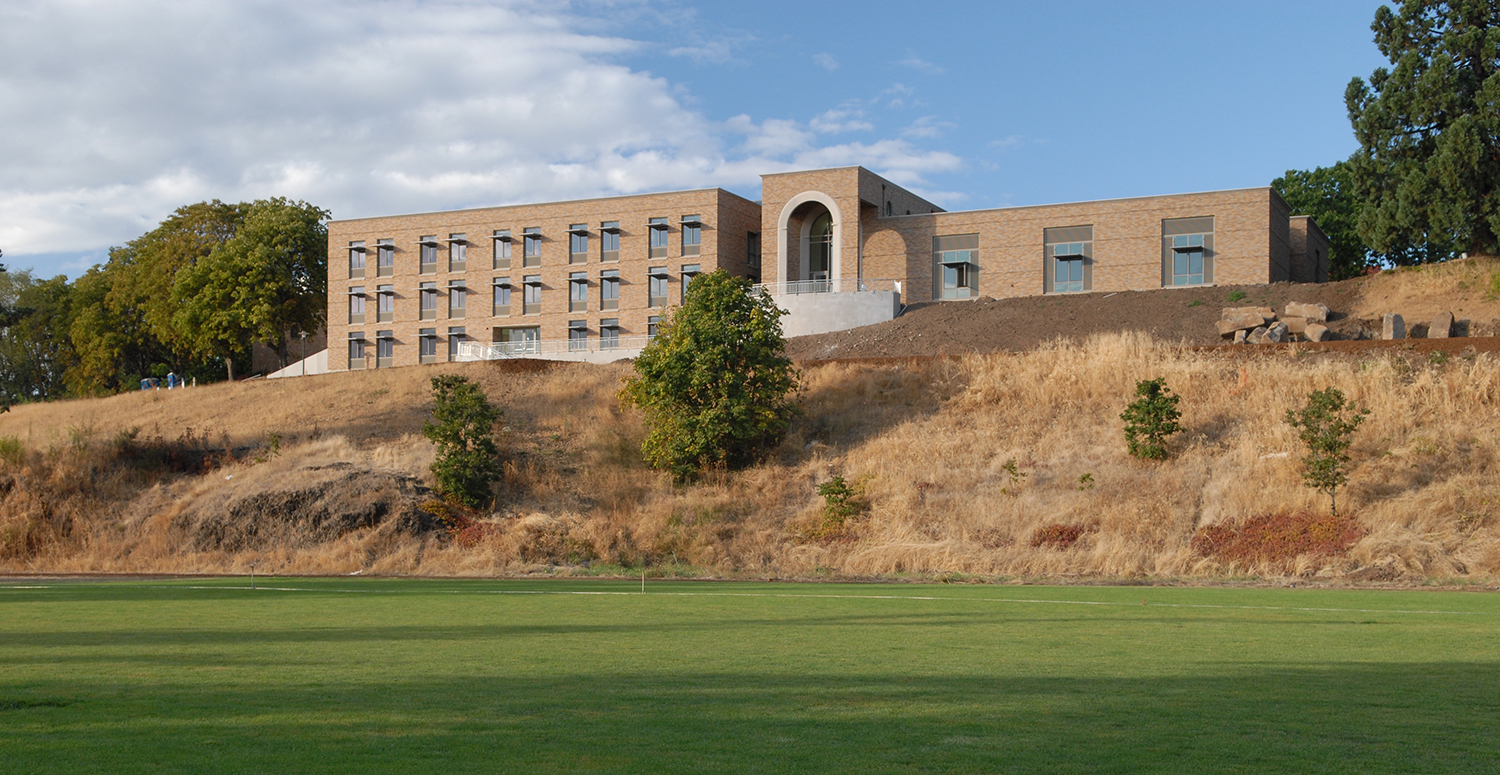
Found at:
(820, 248)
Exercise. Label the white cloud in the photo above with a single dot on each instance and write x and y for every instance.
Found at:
(826, 61)
(845, 118)
(118, 113)
(921, 65)
(926, 127)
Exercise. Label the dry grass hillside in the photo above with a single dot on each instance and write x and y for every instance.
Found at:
(1004, 465)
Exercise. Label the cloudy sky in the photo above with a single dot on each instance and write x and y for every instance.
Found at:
(113, 114)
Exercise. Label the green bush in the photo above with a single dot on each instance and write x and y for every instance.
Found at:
(463, 430)
(1326, 426)
(1150, 419)
(714, 384)
(12, 450)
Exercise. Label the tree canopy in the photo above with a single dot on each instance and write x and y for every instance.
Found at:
(1428, 165)
(1327, 194)
(715, 383)
(188, 296)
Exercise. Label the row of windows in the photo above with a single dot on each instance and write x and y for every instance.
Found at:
(659, 286)
(383, 353)
(1068, 253)
(579, 239)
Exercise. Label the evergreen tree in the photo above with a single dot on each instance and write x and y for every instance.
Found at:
(1428, 168)
(1150, 419)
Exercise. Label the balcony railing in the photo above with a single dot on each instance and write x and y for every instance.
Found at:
(479, 351)
(841, 285)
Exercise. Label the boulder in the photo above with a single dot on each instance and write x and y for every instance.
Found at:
(1239, 336)
(1392, 326)
(1316, 332)
(1257, 336)
(1276, 333)
(1266, 313)
(1317, 313)
(1239, 322)
(1442, 326)
(1295, 325)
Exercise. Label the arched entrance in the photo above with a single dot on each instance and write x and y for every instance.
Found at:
(814, 218)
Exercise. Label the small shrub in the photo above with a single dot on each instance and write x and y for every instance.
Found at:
(1195, 303)
(1058, 536)
(1236, 295)
(1017, 476)
(463, 432)
(12, 450)
(1326, 426)
(841, 503)
(1150, 419)
(1278, 537)
(1086, 482)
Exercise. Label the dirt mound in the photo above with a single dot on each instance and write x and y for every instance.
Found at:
(1185, 315)
(313, 513)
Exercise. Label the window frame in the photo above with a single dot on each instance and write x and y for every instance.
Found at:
(578, 336)
(357, 354)
(531, 286)
(500, 252)
(609, 289)
(427, 345)
(689, 271)
(578, 292)
(1187, 239)
(385, 349)
(498, 286)
(578, 243)
(385, 303)
(609, 334)
(427, 254)
(692, 235)
(427, 301)
(654, 276)
(660, 237)
(458, 252)
(385, 257)
(357, 299)
(609, 234)
(458, 299)
(357, 260)
(457, 335)
(531, 246)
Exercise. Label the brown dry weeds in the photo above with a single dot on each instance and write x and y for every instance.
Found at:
(928, 443)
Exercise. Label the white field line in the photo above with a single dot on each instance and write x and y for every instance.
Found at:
(930, 598)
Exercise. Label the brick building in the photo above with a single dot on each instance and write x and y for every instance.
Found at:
(594, 276)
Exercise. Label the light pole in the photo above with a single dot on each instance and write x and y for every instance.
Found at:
(303, 335)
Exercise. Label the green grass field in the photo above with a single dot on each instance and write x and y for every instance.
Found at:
(377, 676)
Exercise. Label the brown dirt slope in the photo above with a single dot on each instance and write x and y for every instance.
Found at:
(1185, 315)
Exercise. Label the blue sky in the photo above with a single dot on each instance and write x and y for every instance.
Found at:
(119, 112)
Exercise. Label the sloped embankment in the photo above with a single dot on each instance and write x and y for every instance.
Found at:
(973, 465)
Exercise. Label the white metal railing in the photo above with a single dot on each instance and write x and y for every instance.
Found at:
(841, 285)
(479, 351)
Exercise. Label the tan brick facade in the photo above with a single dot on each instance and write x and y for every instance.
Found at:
(879, 230)
(726, 221)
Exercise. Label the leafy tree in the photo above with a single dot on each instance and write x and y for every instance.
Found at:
(1327, 194)
(265, 283)
(1428, 167)
(147, 268)
(463, 430)
(715, 384)
(1326, 427)
(34, 346)
(112, 343)
(1150, 419)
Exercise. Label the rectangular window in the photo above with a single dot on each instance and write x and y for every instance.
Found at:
(689, 271)
(385, 349)
(385, 258)
(609, 333)
(385, 309)
(356, 260)
(752, 249)
(531, 302)
(652, 324)
(578, 243)
(456, 338)
(356, 350)
(692, 234)
(957, 260)
(1188, 251)
(531, 247)
(501, 304)
(578, 335)
(609, 289)
(429, 245)
(609, 241)
(357, 304)
(658, 228)
(1068, 259)
(429, 300)
(578, 292)
(502, 249)
(428, 338)
(458, 252)
(659, 280)
(458, 298)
